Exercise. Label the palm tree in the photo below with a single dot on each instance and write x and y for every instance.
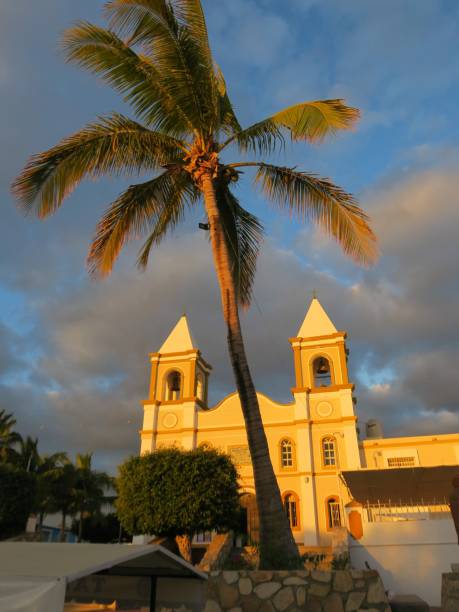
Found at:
(156, 54)
(8, 437)
(63, 492)
(90, 489)
(26, 456)
(46, 471)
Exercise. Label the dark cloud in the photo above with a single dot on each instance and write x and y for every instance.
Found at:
(73, 352)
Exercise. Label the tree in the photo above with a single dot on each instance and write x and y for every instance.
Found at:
(43, 467)
(16, 499)
(177, 493)
(8, 437)
(100, 528)
(156, 54)
(46, 471)
(89, 490)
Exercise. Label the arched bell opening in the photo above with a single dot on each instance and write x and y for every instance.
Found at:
(321, 372)
(173, 387)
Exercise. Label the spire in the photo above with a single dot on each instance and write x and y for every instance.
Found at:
(316, 322)
(180, 338)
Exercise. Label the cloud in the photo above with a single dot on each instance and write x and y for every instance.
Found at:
(400, 317)
(73, 356)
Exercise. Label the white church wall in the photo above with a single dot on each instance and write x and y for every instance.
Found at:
(409, 555)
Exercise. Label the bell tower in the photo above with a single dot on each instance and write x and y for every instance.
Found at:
(322, 381)
(319, 352)
(178, 389)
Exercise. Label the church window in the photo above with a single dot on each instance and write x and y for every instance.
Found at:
(321, 372)
(333, 513)
(291, 509)
(286, 453)
(173, 386)
(329, 452)
(200, 387)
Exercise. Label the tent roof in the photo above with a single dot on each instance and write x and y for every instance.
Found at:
(405, 485)
(32, 560)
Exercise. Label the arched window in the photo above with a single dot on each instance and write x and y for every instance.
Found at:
(329, 451)
(333, 513)
(287, 457)
(173, 386)
(200, 386)
(291, 510)
(321, 372)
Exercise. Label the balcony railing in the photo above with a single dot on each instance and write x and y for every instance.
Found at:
(415, 511)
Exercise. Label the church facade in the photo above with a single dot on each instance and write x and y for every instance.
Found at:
(313, 439)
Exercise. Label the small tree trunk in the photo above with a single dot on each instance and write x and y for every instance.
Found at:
(80, 527)
(184, 546)
(62, 534)
(41, 518)
(277, 546)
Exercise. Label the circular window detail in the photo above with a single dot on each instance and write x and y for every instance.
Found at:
(169, 420)
(324, 409)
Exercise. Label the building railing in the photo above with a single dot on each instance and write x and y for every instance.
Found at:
(415, 511)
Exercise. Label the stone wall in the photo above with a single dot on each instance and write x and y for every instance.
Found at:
(289, 591)
(450, 591)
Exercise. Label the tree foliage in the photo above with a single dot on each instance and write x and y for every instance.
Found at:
(173, 492)
(9, 438)
(156, 54)
(17, 494)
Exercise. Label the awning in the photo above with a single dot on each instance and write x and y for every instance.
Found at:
(34, 575)
(407, 486)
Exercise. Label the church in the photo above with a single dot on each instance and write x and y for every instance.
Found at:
(320, 458)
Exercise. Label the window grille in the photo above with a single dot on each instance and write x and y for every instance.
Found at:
(291, 510)
(334, 514)
(329, 452)
(400, 461)
(286, 454)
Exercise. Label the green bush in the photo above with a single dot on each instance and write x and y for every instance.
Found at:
(173, 492)
(17, 495)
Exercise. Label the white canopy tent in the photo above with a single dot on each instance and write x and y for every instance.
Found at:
(34, 576)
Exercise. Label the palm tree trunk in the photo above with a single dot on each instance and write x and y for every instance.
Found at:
(184, 546)
(80, 527)
(277, 546)
(62, 534)
(41, 518)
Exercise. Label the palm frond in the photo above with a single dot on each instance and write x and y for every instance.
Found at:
(190, 13)
(228, 122)
(103, 53)
(309, 121)
(177, 50)
(113, 144)
(134, 213)
(325, 204)
(244, 234)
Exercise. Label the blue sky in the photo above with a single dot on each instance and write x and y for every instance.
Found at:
(73, 361)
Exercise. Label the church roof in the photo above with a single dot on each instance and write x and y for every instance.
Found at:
(316, 322)
(180, 339)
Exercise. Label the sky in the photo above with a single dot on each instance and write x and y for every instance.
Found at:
(74, 351)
